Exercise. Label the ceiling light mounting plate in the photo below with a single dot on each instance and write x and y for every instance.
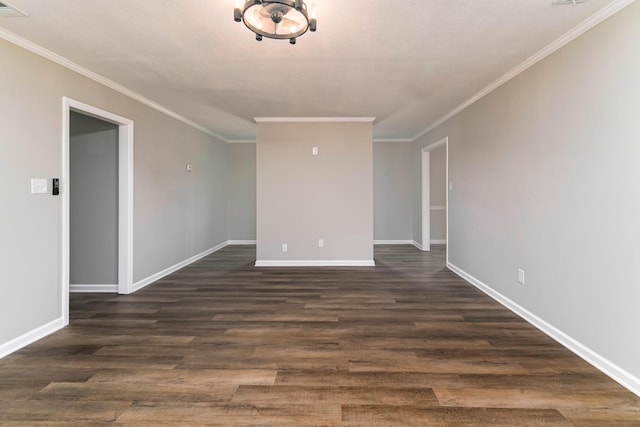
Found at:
(276, 19)
(568, 2)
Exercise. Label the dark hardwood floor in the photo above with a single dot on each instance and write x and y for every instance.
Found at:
(222, 343)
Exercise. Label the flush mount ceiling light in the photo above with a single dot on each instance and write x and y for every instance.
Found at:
(275, 19)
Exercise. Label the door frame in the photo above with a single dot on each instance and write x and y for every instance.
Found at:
(426, 196)
(125, 196)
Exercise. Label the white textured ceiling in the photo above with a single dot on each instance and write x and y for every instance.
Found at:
(407, 63)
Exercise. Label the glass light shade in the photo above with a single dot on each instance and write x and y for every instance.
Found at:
(276, 19)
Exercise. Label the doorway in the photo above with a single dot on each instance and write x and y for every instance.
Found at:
(435, 194)
(93, 204)
(99, 203)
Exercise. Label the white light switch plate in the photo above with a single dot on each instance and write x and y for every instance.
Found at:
(39, 186)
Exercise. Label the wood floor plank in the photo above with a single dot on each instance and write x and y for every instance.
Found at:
(133, 392)
(378, 416)
(232, 415)
(224, 343)
(526, 397)
(70, 411)
(341, 395)
(198, 377)
(602, 417)
(98, 362)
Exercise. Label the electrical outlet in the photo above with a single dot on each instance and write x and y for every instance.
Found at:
(314, 151)
(321, 243)
(285, 248)
(521, 276)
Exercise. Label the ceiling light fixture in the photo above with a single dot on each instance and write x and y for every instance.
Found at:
(275, 19)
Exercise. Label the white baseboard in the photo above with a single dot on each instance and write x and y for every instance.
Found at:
(393, 242)
(104, 289)
(154, 277)
(431, 242)
(241, 242)
(30, 337)
(317, 263)
(615, 372)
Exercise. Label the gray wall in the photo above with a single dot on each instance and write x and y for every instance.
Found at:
(302, 198)
(242, 191)
(438, 193)
(392, 180)
(545, 178)
(176, 214)
(392, 200)
(93, 200)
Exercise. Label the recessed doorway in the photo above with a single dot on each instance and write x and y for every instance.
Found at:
(435, 194)
(93, 204)
(101, 206)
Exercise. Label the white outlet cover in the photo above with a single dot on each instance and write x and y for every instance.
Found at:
(314, 151)
(285, 248)
(321, 243)
(521, 276)
(39, 186)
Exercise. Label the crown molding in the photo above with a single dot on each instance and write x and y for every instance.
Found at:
(312, 119)
(242, 141)
(552, 47)
(60, 60)
(391, 140)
